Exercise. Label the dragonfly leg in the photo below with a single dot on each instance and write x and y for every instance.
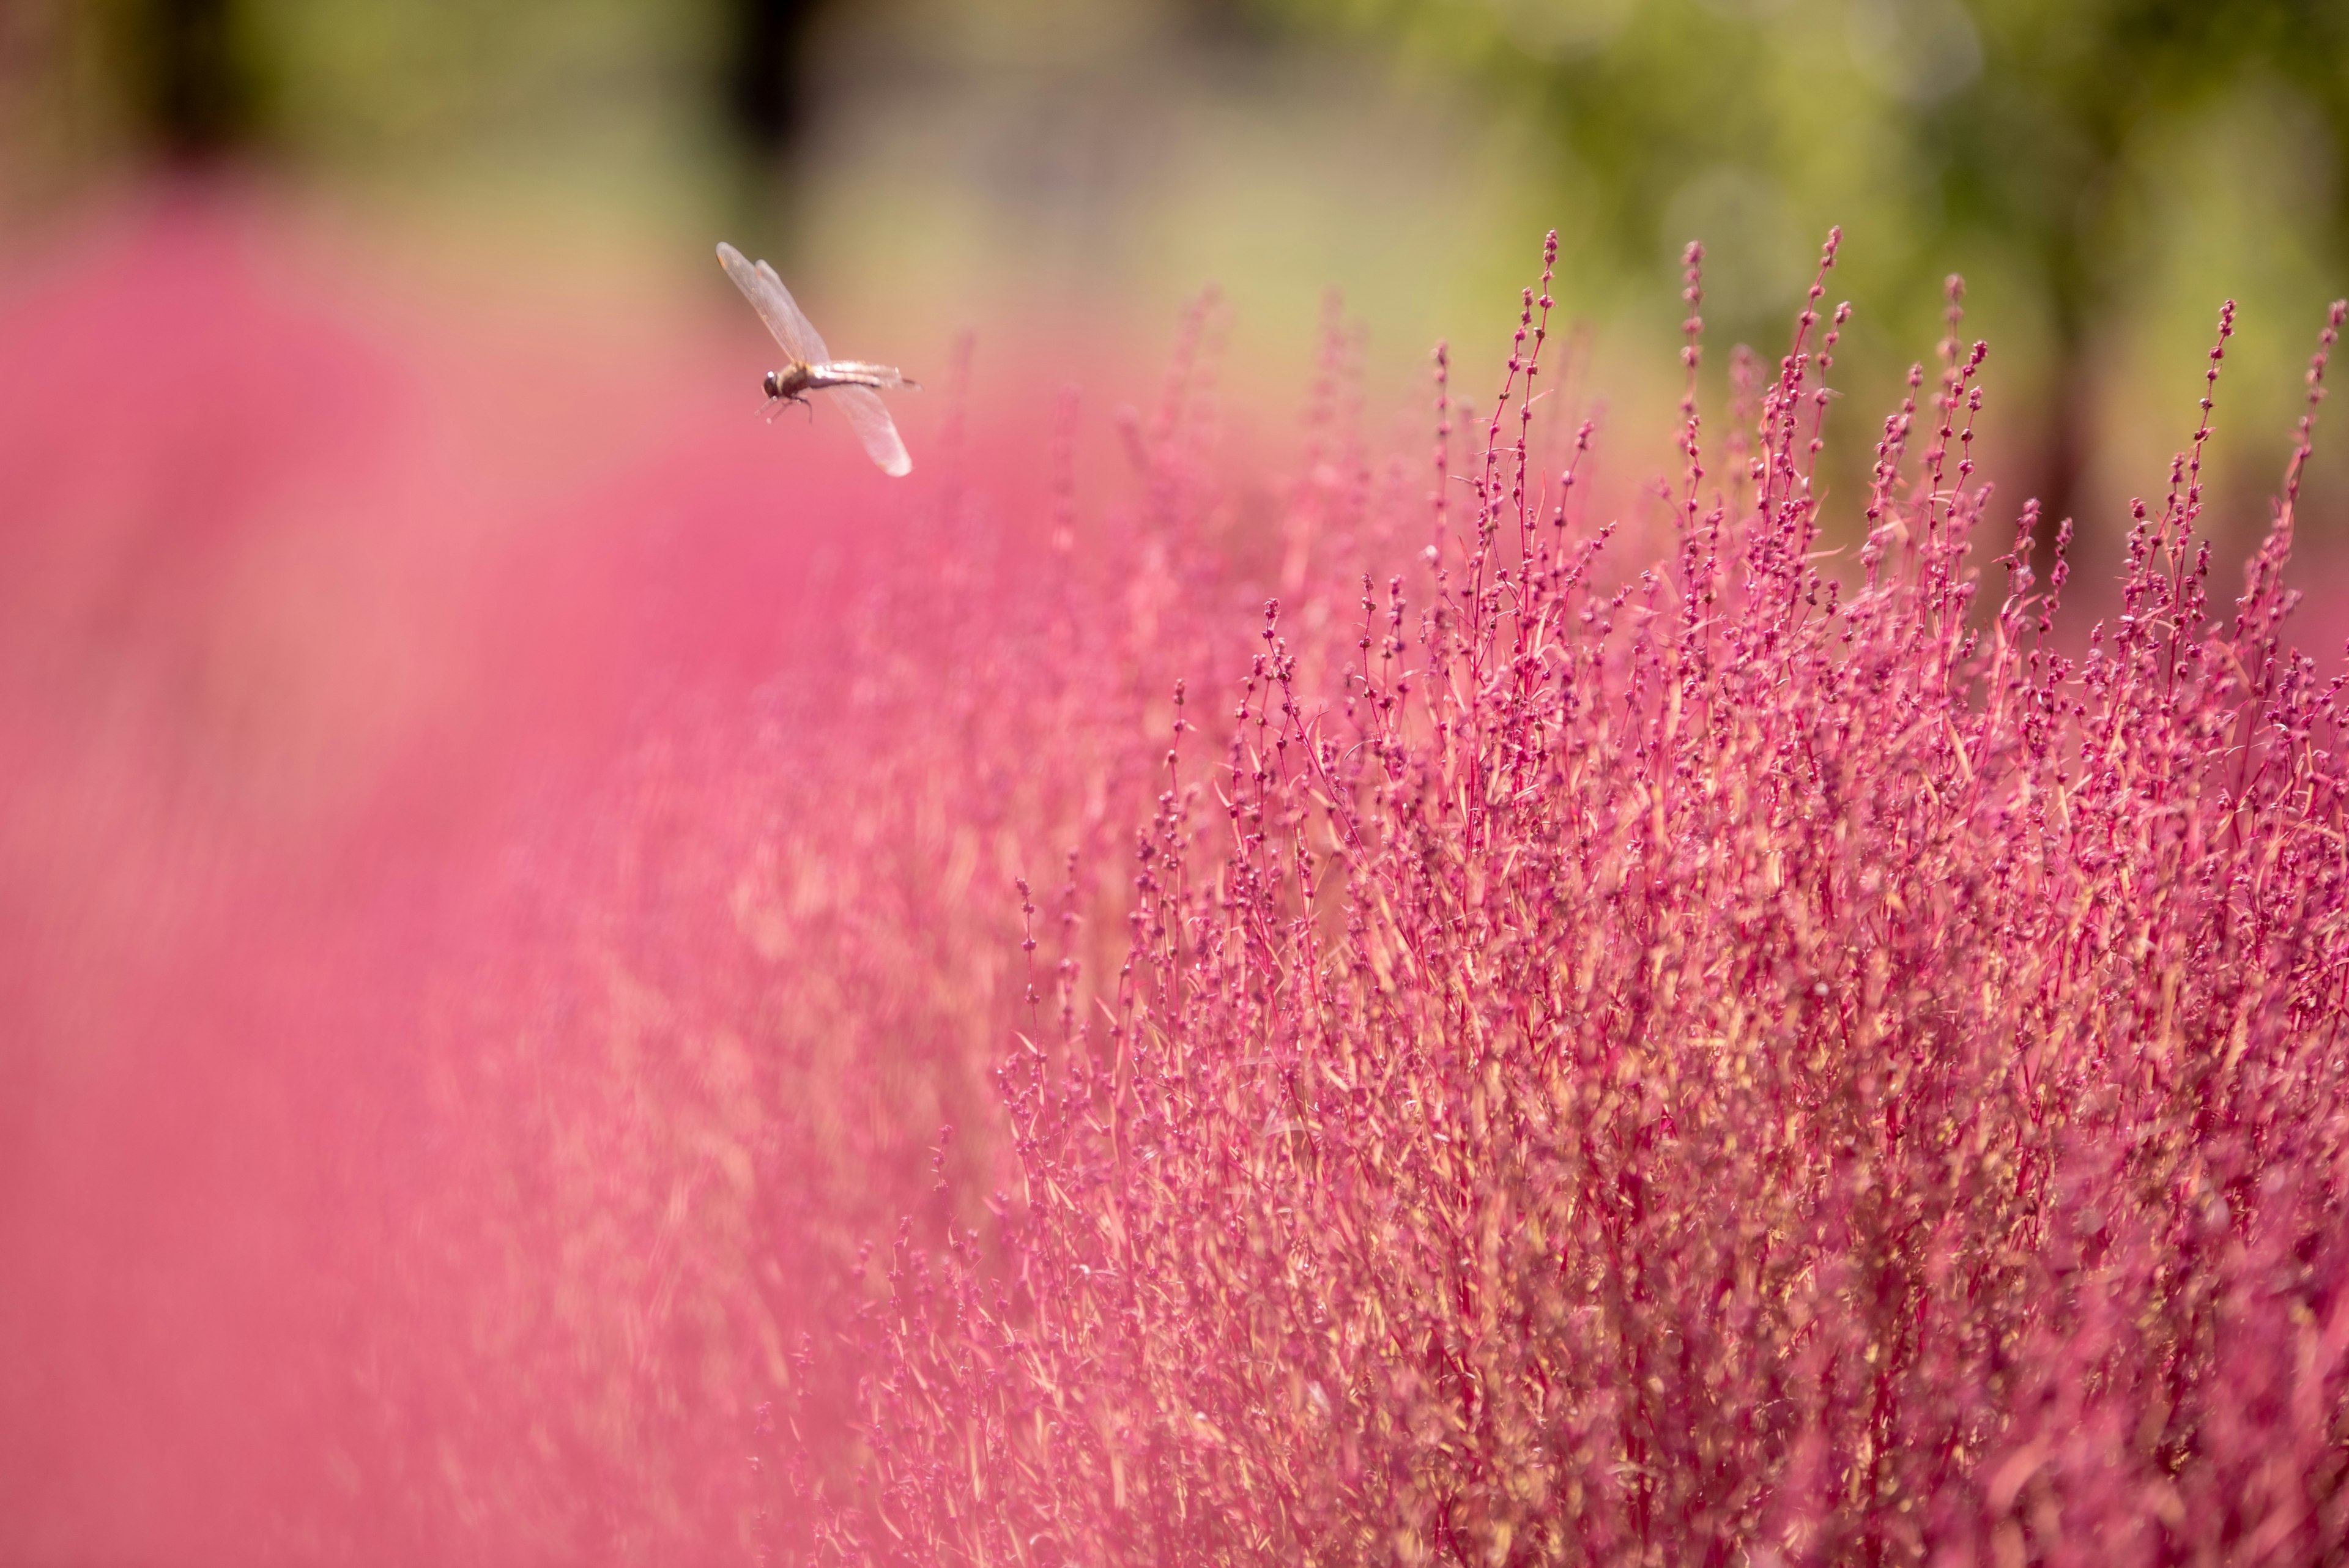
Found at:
(775, 406)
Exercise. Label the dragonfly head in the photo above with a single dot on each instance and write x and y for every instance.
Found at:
(773, 383)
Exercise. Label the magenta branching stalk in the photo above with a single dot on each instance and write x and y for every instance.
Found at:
(1708, 1063)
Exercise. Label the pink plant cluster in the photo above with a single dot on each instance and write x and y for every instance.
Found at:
(1698, 1060)
(1599, 1028)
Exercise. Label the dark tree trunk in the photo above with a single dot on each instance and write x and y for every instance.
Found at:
(766, 85)
(2068, 445)
(2068, 435)
(191, 73)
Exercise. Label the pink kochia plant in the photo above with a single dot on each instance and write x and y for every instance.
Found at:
(1703, 1064)
(1694, 1065)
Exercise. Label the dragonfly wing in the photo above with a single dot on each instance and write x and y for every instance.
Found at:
(773, 303)
(817, 353)
(870, 420)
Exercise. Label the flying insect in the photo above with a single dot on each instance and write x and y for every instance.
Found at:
(855, 385)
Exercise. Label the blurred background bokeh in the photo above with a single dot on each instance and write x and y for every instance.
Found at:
(394, 578)
(2104, 172)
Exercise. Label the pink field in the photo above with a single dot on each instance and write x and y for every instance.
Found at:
(589, 980)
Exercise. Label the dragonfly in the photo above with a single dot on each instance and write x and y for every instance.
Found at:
(854, 382)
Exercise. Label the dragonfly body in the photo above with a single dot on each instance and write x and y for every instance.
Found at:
(787, 384)
(812, 368)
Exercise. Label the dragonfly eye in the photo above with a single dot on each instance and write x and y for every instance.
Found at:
(773, 383)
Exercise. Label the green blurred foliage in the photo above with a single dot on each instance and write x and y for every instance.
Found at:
(2091, 158)
(420, 76)
(2103, 171)
(357, 85)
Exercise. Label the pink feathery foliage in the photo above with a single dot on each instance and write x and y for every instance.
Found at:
(1713, 1063)
(507, 864)
(1706, 1064)
(690, 1048)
